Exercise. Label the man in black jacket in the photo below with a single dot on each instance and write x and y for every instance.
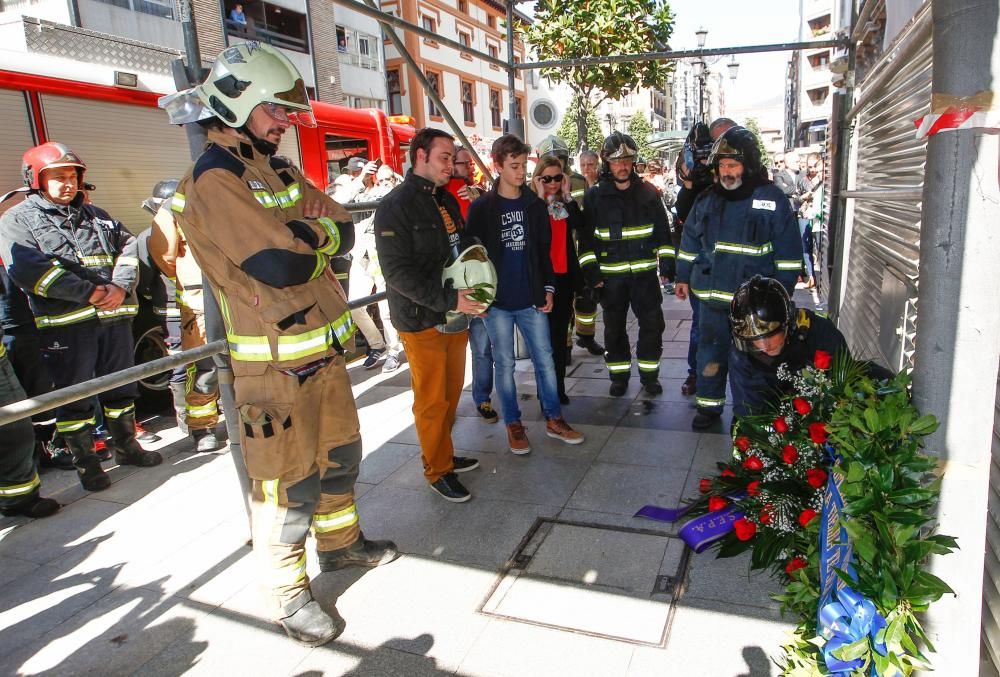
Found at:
(418, 227)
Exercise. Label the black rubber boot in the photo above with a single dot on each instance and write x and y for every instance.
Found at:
(311, 626)
(121, 437)
(361, 553)
(590, 344)
(705, 419)
(618, 388)
(35, 507)
(88, 465)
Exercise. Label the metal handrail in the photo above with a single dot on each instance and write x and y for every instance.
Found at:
(36, 405)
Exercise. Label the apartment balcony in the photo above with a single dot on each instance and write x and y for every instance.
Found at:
(273, 24)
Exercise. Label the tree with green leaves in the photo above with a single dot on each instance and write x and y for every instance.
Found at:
(569, 132)
(753, 126)
(573, 30)
(640, 129)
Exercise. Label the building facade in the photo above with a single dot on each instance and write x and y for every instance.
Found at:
(809, 100)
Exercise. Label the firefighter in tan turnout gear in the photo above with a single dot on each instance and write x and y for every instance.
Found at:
(263, 237)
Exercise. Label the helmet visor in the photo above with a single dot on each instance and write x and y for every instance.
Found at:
(749, 328)
(723, 149)
(298, 111)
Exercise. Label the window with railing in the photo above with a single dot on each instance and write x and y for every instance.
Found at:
(468, 102)
(264, 22)
(358, 48)
(818, 95)
(819, 59)
(435, 81)
(820, 25)
(165, 9)
(395, 92)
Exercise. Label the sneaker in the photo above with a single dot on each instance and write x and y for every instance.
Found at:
(689, 388)
(486, 411)
(517, 439)
(145, 436)
(373, 357)
(205, 441)
(391, 364)
(704, 419)
(464, 463)
(450, 489)
(558, 428)
(50, 456)
(589, 344)
(618, 388)
(102, 449)
(652, 388)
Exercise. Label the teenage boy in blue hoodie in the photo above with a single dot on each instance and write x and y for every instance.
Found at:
(513, 224)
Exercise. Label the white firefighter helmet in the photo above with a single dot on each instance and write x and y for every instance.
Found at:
(243, 76)
(472, 269)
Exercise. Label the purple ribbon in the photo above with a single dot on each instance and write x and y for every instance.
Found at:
(700, 532)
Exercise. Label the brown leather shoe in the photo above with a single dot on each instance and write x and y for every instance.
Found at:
(558, 428)
(689, 387)
(517, 439)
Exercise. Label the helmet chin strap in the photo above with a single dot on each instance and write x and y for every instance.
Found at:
(262, 145)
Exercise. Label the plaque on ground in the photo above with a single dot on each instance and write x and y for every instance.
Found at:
(605, 581)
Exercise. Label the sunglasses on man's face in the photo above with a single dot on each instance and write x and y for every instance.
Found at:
(549, 179)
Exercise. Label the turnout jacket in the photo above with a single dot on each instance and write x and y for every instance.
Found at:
(413, 249)
(59, 255)
(624, 231)
(484, 224)
(726, 242)
(241, 213)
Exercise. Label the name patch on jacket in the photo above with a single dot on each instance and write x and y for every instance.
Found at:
(769, 205)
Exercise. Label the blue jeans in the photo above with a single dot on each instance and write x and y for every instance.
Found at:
(482, 361)
(806, 231)
(693, 336)
(534, 326)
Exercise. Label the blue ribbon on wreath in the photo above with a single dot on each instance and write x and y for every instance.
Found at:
(850, 617)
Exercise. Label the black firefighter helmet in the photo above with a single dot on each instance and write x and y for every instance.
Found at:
(739, 143)
(761, 308)
(162, 192)
(618, 146)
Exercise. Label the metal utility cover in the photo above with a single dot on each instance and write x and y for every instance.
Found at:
(604, 581)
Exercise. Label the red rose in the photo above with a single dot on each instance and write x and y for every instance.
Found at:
(807, 516)
(818, 433)
(742, 443)
(816, 477)
(728, 472)
(745, 529)
(753, 488)
(780, 425)
(795, 564)
(822, 359)
(802, 406)
(790, 454)
(753, 463)
(765, 516)
(705, 486)
(717, 503)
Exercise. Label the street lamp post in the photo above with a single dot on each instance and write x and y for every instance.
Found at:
(700, 68)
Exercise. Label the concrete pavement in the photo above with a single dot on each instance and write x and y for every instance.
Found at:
(544, 572)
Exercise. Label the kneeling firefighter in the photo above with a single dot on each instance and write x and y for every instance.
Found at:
(263, 236)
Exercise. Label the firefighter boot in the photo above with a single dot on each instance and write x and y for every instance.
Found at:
(590, 344)
(178, 390)
(127, 449)
(88, 465)
(310, 625)
(205, 440)
(361, 553)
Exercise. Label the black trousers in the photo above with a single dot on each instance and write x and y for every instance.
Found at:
(642, 293)
(24, 350)
(559, 319)
(79, 352)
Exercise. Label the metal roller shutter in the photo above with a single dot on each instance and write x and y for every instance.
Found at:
(16, 139)
(128, 149)
(991, 576)
(878, 309)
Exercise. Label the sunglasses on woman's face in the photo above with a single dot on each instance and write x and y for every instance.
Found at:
(549, 179)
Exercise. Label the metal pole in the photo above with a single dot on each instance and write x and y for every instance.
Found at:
(683, 54)
(392, 20)
(958, 345)
(397, 42)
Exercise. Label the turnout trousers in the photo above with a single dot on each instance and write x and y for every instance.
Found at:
(79, 352)
(585, 312)
(301, 440)
(19, 481)
(714, 341)
(201, 382)
(641, 292)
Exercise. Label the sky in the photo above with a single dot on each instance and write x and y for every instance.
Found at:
(759, 88)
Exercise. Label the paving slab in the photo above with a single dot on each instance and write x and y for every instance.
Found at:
(623, 489)
(640, 446)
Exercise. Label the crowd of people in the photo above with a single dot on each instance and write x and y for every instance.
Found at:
(245, 230)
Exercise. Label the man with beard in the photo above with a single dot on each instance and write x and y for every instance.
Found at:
(741, 227)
